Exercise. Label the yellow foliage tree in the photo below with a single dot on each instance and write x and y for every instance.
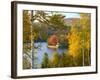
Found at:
(85, 25)
(74, 41)
(26, 26)
(26, 39)
(79, 38)
(85, 36)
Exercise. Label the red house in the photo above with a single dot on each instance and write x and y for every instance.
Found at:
(53, 40)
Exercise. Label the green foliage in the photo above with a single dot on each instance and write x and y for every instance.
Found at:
(45, 61)
(69, 61)
(64, 60)
(87, 60)
(62, 41)
(57, 20)
(48, 22)
(55, 60)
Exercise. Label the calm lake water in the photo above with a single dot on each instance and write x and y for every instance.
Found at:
(41, 48)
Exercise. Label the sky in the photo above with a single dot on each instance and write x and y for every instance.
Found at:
(71, 15)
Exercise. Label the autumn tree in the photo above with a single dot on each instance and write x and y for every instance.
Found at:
(74, 41)
(79, 40)
(26, 26)
(26, 39)
(85, 36)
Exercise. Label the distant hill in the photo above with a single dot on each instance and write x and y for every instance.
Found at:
(71, 21)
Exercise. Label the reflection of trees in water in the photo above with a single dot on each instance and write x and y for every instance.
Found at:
(35, 57)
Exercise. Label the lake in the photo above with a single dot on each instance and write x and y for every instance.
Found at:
(40, 49)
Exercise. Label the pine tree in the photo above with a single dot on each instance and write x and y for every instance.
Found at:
(45, 61)
(55, 60)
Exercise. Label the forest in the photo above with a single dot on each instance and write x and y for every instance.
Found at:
(70, 42)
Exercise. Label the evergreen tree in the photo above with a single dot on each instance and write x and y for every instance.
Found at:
(45, 61)
(55, 60)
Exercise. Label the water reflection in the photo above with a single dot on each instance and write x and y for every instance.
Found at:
(41, 48)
